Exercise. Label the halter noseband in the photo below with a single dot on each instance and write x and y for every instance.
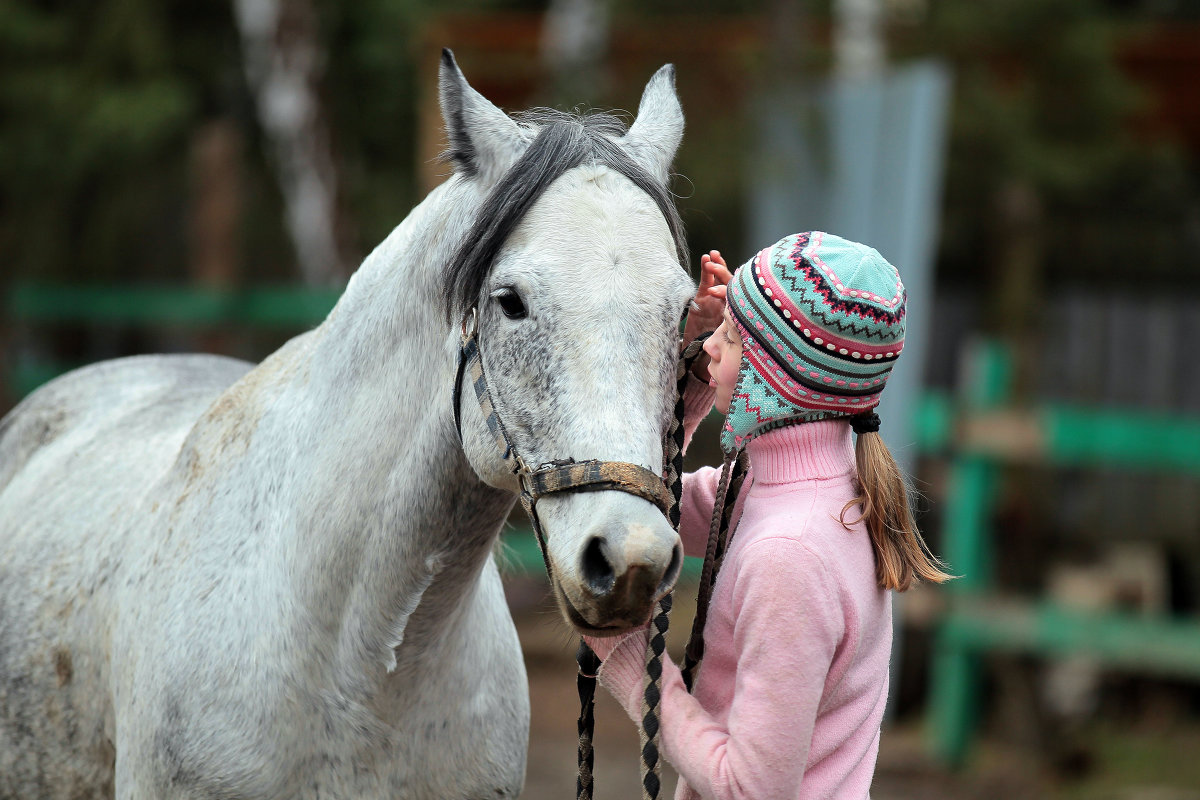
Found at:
(561, 475)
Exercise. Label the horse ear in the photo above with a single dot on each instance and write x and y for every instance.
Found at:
(484, 141)
(655, 134)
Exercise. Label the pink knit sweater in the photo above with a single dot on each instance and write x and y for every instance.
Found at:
(789, 698)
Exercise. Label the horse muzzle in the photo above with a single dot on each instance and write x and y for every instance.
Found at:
(617, 573)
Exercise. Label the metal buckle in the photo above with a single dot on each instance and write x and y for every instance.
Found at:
(522, 471)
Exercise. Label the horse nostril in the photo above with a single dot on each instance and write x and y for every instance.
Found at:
(597, 571)
(672, 573)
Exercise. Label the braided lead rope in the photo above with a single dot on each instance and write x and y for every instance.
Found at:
(585, 683)
(649, 733)
(740, 467)
(733, 474)
(695, 646)
(673, 441)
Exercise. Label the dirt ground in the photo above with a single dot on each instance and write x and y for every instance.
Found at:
(1128, 765)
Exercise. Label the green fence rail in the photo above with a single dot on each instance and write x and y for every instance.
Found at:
(168, 307)
(980, 434)
(285, 306)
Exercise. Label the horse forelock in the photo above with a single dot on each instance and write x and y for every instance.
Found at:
(564, 141)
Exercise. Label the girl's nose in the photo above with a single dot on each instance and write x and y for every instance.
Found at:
(710, 345)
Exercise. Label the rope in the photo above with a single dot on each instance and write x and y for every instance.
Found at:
(650, 733)
(589, 664)
(585, 683)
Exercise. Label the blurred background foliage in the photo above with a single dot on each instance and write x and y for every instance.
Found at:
(102, 102)
(1042, 101)
(98, 101)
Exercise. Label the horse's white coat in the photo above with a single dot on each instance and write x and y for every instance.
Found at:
(219, 581)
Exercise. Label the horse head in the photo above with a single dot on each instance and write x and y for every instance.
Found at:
(571, 272)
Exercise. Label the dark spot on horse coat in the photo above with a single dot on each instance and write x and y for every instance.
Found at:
(48, 425)
(169, 749)
(63, 667)
(23, 435)
(533, 363)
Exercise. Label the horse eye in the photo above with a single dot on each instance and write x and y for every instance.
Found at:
(510, 304)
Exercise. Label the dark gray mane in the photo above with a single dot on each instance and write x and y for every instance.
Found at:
(564, 141)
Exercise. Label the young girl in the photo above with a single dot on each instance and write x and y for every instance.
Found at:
(789, 697)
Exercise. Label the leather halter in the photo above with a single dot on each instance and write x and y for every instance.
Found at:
(561, 475)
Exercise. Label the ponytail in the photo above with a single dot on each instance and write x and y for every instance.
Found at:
(901, 556)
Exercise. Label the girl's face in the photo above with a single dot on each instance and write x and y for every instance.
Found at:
(724, 350)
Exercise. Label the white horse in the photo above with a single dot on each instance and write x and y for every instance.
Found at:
(220, 580)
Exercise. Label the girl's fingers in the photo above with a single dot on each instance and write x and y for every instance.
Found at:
(714, 276)
(716, 266)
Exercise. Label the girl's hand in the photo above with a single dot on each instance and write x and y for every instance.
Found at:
(708, 307)
(709, 303)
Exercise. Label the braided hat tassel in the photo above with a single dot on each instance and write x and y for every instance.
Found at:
(733, 474)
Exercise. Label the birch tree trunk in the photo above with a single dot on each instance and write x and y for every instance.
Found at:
(574, 44)
(858, 49)
(283, 61)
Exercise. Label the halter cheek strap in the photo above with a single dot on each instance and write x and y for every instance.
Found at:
(471, 363)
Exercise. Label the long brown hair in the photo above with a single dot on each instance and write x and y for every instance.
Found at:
(901, 556)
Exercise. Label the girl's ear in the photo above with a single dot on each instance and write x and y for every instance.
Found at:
(655, 135)
(484, 141)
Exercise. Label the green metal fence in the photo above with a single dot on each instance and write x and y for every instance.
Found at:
(980, 434)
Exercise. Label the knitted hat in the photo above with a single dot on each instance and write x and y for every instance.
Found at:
(822, 323)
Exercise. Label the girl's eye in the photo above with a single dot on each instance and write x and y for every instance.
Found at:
(511, 303)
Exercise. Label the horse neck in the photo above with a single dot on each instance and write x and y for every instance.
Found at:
(399, 526)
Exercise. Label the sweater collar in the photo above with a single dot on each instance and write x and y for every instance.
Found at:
(803, 451)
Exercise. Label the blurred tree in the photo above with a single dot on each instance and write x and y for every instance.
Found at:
(95, 108)
(284, 56)
(574, 43)
(371, 96)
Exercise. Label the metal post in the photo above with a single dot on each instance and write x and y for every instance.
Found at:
(966, 545)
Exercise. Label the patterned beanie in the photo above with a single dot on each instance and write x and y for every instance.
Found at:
(822, 323)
